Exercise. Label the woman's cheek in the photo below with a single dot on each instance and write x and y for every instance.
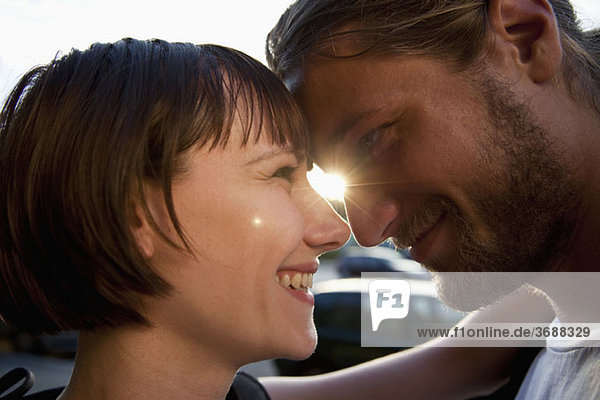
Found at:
(281, 224)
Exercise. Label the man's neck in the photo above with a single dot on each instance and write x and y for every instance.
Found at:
(573, 291)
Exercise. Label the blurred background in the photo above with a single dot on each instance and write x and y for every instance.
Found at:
(34, 31)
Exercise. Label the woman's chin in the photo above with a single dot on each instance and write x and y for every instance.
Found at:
(301, 354)
(298, 348)
(303, 349)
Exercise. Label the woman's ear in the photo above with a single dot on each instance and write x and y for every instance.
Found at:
(142, 232)
(526, 35)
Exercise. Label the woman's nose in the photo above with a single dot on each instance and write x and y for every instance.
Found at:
(325, 230)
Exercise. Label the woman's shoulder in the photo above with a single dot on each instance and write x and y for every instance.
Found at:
(244, 387)
(51, 394)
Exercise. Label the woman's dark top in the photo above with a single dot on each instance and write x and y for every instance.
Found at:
(244, 387)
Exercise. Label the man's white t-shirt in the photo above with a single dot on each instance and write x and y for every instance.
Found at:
(563, 370)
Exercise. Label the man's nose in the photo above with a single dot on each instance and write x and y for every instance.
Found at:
(369, 215)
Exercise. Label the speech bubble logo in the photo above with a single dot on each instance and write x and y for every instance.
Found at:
(389, 299)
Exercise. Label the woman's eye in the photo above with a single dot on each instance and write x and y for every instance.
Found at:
(288, 173)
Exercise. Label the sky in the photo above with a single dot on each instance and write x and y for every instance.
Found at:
(33, 31)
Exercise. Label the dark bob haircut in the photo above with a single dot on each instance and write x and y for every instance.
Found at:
(80, 136)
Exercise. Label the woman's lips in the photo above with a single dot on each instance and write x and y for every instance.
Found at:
(306, 297)
(297, 282)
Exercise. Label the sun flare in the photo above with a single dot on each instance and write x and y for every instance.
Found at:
(329, 186)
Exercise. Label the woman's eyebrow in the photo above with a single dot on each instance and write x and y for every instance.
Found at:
(274, 153)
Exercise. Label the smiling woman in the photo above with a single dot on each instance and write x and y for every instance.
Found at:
(155, 199)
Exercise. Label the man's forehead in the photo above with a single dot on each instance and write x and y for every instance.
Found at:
(341, 43)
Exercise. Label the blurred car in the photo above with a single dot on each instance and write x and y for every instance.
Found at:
(356, 260)
(337, 315)
(60, 345)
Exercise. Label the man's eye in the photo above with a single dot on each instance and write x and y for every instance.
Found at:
(369, 141)
(374, 142)
(288, 173)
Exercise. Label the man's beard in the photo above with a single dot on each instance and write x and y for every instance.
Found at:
(527, 202)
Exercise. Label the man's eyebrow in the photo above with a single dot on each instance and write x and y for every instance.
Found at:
(349, 124)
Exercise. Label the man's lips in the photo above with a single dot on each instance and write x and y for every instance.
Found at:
(420, 233)
(428, 229)
(409, 231)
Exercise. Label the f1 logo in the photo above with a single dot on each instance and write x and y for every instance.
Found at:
(389, 299)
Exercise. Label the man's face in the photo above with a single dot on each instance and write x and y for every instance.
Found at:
(447, 164)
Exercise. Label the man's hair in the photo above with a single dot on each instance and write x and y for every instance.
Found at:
(451, 30)
(79, 139)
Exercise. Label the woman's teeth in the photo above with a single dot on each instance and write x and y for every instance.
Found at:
(298, 281)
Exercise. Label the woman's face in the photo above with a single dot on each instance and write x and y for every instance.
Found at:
(255, 225)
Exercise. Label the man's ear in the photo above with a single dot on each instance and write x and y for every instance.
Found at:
(526, 35)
